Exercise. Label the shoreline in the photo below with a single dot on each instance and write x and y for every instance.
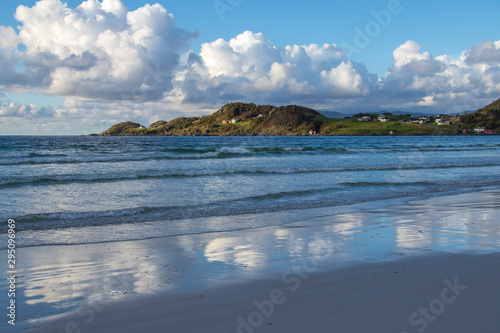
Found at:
(248, 136)
(280, 218)
(422, 231)
(293, 135)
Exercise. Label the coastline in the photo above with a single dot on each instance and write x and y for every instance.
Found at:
(248, 119)
(296, 135)
(451, 234)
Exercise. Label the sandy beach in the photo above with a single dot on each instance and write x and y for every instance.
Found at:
(439, 293)
(425, 266)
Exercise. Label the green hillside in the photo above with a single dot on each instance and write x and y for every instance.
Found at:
(251, 120)
(488, 117)
(267, 120)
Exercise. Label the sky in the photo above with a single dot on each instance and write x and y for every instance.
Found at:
(77, 67)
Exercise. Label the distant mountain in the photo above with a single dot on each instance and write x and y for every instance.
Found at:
(333, 114)
(412, 114)
(419, 114)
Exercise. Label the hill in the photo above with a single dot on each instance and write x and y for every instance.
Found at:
(247, 119)
(333, 114)
(123, 129)
(488, 117)
(250, 119)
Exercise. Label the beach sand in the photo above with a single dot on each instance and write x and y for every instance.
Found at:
(427, 266)
(441, 293)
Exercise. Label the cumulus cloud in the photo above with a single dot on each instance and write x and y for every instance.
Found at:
(487, 52)
(249, 66)
(8, 38)
(114, 64)
(409, 60)
(452, 84)
(99, 50)
(344, 81)
(17, 110)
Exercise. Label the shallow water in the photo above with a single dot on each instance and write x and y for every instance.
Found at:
(55, 186)
(53, 280)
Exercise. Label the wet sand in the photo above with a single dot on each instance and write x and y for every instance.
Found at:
(369, 271)
(441, 293)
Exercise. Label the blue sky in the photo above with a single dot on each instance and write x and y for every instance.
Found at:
(443, 27)
(447, 51)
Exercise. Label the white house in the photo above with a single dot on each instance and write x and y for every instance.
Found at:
(382, 118)
(479, 129)
(423, 120)
(234, 121)
(365, 118)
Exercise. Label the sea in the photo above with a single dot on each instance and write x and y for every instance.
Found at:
(151, 214)
(81, 190)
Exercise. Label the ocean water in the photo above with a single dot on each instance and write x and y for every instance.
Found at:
(95, 191)
(76, 190)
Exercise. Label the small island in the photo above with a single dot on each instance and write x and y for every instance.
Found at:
(247, 119)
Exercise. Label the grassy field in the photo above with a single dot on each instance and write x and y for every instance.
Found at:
(354, 127)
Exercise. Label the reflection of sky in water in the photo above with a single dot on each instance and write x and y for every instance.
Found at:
(62, 278)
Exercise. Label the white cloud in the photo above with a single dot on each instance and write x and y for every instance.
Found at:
(452, 84)
(408, 53)
(113, 64)
(100, 50)
(250, 67)
(248, 55)
(345, 81)
(17, 110)
(408, 59)
(8, 38)
(485, 53)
